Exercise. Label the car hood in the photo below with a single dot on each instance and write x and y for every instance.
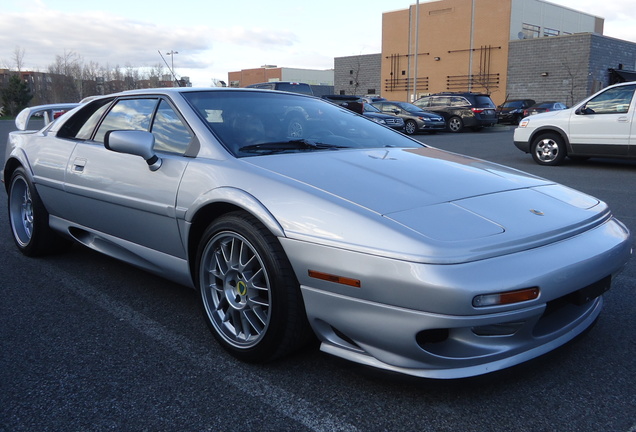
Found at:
(462, 208)
(548, 115)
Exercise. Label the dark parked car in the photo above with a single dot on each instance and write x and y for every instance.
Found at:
(354, 103)
(473, 110)
(544, 107)
(358, 104)
(511, 111)
(371, 99)
(415, 119)
(377, 116)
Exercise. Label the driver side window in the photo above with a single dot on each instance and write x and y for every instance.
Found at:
(127, 114)
(614, 101)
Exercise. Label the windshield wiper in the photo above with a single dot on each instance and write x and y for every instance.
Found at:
(281, 146)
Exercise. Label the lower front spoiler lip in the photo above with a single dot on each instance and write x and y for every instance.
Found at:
(388, 341)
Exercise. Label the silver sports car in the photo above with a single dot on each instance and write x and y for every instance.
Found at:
(292, 216)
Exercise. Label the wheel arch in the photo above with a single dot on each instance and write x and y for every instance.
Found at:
(15, 160)
(10, 166)
(218, 203)
(547, 130)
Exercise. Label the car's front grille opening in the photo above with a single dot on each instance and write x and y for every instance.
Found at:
(564, 310)
(504, 329)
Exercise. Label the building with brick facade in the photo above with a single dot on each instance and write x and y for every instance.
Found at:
(485, 45)
(320, 80)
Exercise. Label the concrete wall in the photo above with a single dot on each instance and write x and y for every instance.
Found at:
(565, 68)
(358, 75)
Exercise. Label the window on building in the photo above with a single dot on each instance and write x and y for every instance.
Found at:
(531, 31)
(370, 91)
(547, 32)
(351, 72)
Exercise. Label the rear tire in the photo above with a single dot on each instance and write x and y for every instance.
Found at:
(250, 296)
(29, 219)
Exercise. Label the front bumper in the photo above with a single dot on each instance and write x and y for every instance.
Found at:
(443, 346)
(432, 125)
(418, 318)
(524, 146)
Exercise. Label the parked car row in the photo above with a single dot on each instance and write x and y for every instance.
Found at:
(513, 110)
(444, 111)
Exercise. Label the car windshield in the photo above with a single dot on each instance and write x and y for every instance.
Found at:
(371, 108)
(253, 123)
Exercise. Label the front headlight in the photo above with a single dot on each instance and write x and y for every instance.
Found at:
(379, 120)
(524, 122)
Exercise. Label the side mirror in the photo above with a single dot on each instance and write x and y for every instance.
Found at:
(134, 142)
(583, 110)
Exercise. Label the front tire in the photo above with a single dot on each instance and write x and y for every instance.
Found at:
(250, 296)
(455, 124)
(549, 149)
(29, 219)
(410, 127)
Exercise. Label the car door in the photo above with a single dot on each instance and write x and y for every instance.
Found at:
(603, 125)
(116, 194)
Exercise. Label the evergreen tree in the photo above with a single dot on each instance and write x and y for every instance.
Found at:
(15, 96)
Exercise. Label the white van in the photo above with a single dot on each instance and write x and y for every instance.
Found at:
(599, 126)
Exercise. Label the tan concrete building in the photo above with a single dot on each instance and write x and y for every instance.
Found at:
(462, 45)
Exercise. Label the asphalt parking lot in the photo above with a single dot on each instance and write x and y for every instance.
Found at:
(91, 344)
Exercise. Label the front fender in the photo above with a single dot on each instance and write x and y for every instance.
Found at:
(552, 129)
(236, 197)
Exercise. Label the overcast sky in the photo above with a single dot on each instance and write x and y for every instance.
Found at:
(215, 37)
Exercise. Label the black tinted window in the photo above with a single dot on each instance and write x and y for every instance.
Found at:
(482, 101)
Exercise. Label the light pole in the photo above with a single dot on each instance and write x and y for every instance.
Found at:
(171, 54)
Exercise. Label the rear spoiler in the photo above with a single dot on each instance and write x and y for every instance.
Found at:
(48, 111)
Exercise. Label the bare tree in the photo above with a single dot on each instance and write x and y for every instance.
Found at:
(66, 77)
(574, 82)
(18, 58)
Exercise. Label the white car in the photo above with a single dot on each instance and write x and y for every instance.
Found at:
(599, 126)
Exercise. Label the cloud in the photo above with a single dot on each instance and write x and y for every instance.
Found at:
(95, 36)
